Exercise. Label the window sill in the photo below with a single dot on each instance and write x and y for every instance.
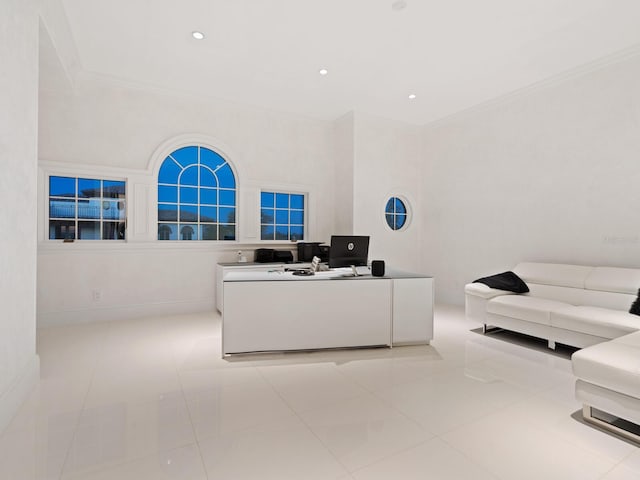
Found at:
(122, 246)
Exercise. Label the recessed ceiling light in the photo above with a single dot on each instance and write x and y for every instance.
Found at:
(412, 96)
(197, 35)
(398, 5)
(323, 71)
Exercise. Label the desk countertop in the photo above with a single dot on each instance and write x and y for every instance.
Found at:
(335, 274)
(259, 264)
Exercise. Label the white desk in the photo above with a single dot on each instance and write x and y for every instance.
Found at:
(222, 269)
(277, 311)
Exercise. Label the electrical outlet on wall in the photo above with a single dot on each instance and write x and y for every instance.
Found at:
(96, 295)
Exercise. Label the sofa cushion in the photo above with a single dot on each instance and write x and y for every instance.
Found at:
(601, 322)
(611, 279)
(482, 290)
(524, 307)
(553, 274)
(613, 365)
(632, 339)
(508, 281)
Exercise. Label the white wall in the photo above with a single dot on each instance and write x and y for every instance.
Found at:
(344, 162)
(387, 158)
(350, 167)
(546, 175)
(552, 175)
(102, 127)
(19, 364)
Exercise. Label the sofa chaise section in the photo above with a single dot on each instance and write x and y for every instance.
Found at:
(609, 381)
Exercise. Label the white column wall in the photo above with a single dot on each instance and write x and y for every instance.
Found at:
(387, 157)
(551, 175)
(343, 161)
(19, 364)
(114, 129)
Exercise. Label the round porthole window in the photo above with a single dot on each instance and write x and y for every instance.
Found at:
(396, 213)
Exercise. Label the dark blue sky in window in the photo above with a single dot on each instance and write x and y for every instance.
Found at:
(169, 172)
(267, 199)
(62, 187)
(186, 156)
(208, 197)
(296, 217)
(211, 159)
(297, 201)
(188, 195)
(189, 176)
(167, 194)
(282, 200)
(225, 177)
(89, 188)
(227, 197)
(281, 216)
(207, 178)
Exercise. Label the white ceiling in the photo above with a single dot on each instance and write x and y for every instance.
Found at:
(453, 54)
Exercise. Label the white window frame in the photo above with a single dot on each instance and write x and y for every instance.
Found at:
(71, 172)
(142, 204)
(407, 205)
(190, 140)
(290, 191)
(198, 205)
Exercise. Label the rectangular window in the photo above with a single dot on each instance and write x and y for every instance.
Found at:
(86, 209)
(282, 216)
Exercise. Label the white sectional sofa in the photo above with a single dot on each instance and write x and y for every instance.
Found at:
(609, 381)
(583, 307)
(571, 304)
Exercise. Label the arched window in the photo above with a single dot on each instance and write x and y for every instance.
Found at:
(196, 196)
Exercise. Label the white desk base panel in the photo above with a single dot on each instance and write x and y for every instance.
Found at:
(262, 316)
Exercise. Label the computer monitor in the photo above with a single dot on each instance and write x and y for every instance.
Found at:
(347, 250)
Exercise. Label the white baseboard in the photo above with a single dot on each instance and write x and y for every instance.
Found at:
(14, 397)
(122, 312)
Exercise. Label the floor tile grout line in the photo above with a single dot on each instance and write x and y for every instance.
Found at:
(415, 445)
(195, 434)
(471, 460)
(606, 474)
(84, 401)
(186, 402)
(540, 429)
(106, 336)
(619, 464)
(386, 402)
(449, 342)
(303, 422)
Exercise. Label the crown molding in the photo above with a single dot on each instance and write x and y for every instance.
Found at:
(550, 82)
(99, 79)
(53, 19)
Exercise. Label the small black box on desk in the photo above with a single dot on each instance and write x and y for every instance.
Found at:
(270, 255)
(308, 250)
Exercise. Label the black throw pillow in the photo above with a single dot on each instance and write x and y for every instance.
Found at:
(508, 281)
(635, 306)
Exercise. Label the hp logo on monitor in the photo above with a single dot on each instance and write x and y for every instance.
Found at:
(350, 246)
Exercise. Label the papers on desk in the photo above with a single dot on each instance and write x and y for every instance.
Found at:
(252, 276)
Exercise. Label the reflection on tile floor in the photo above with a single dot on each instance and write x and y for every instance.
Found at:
(153, 399)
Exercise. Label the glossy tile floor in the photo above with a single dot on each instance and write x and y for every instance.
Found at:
(152, 399)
